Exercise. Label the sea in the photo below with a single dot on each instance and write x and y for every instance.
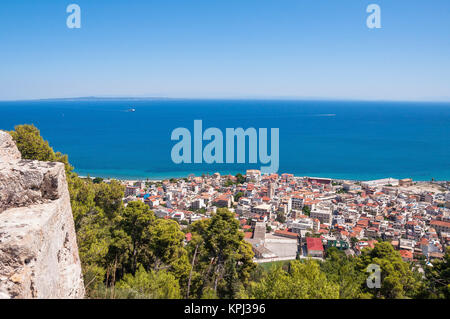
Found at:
(355, 140)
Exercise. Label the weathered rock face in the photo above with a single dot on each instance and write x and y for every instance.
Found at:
(8, 149)
(38, 249)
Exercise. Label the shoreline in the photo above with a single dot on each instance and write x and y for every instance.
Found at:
(160, 179)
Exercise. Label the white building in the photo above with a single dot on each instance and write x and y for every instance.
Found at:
(301, 224)
(297, 203)
(380, 182)
(324, 216)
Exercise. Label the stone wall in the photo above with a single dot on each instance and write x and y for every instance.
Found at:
(38, 248)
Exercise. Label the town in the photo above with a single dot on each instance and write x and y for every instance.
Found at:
(286, 217)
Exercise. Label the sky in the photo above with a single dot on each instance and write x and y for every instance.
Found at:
(226, 49)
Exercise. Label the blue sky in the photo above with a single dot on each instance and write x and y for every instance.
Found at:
(226, 49)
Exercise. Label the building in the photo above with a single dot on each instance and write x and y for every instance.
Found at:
(152, 201)
(303, 224)
(271, 190)
(285, 233)
(259, 232)
(406, 244)
(297, 203)
(262, 209)
(139, 184)
(314, 247)
(440, 226)
(131, 191)
(407, 255)
(223, 200)
(253, 175)
(198, 203)
(351, 187)
(380, 182)
(406, 182)
(324, 216)
(178, 216)
(319, 180)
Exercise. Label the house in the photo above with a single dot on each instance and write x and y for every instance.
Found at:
(319, 180)
(223, 200)
(440, 226)
(297, 203)
(324, 216)
(253, 175)
(314, 247)
(262, 209)
(131, 191)
(178, 216)
(301, 224)
(406, 182)
(285, 233)
(407, 255)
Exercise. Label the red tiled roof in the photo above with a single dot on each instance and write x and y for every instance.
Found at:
(314, 243)
(286, 233)
(248, 235)
(440, 223)
(406, 254)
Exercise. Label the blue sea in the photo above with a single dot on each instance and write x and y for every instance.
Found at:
(337, 139)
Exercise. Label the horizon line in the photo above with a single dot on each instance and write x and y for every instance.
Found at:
(257, 98)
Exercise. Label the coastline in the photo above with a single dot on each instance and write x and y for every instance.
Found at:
(196, 174)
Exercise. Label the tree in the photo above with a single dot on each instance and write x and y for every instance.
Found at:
(304, 280)
(306, 210)
(109, 197)
(437, 283)
(237, 196)
(166, 245)
(148, 285)
(397, 278)
(228, 183)
(342, 270)
(97, 180)
(231, 285)
(281, 217)
(219, 243)
(132, 234)
(240, 179)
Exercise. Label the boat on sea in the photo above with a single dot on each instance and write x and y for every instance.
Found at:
(131, 110)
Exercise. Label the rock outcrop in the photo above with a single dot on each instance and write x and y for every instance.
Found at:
(38, 248)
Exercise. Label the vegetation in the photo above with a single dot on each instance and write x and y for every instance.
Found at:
(437, 284)
(306, 210)
(267, 266)
(229, 183)
(304, 280)
(221, 259)
(398, 280)
(281, 217)
(240, 179)
(97, 180)
(237, 196)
